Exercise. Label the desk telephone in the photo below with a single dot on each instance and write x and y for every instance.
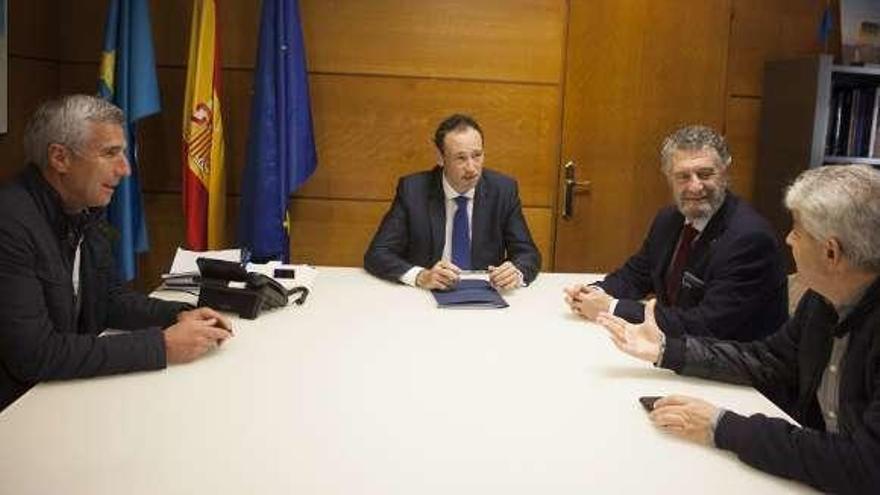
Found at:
(228, 286)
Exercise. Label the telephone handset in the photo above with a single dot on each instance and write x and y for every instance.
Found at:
(271, 289)
(228, 286)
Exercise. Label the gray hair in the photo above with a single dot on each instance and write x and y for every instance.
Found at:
(64, 121)
(843, 202)
(693, 138)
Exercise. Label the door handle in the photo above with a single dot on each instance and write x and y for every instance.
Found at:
(568, 189)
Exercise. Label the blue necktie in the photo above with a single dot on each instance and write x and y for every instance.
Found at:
(461, 237)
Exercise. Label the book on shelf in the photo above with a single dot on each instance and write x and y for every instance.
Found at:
(854, 121)
(872, 141)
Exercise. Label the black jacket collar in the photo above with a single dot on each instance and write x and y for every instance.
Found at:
(864, 307)
(69, 228)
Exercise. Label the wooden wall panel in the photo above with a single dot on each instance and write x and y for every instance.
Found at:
(372, 130)
(668, 98)
(81, 29)
(160, 135)
(371, 126)
(633, 76)
(170, 19)
(77, 77)
(333, 232)
(499, 40)
(338, 232)
(762, 30)
(743, 116)
(541, 223)
(32, 74)
(325, 232)
(33, 32)
(30, 82)
(238, 23)
(165, 229)
(517, 40)
(384, 72)
(236, 103)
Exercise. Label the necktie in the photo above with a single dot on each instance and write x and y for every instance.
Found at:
(461, 237)
(679, 261)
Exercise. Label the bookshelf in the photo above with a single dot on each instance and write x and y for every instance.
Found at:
(813, 113)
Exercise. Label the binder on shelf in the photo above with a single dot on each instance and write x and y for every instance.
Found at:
(853, 120)
(835, 124)
(873, 148)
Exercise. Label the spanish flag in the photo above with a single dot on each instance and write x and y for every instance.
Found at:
(204, 181)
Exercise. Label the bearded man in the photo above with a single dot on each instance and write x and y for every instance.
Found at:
(712, 262)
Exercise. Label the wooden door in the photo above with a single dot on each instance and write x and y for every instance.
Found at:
(635, 70)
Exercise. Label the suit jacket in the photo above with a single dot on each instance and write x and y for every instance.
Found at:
(42, 334)
(734, 285)
(414, 229)
(787, 368)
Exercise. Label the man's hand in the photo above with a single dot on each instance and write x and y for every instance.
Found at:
(685, 417)
(205, 313)
(506, 276)
(638, 340)
(442, 275)
(587, 301)
(194, 334)
(572, 295)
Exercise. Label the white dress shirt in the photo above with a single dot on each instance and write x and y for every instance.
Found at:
(409, 278)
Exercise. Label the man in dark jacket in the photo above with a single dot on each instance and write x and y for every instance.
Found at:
(58, 289)
(711, 261)
(822, 367)
(455, 217)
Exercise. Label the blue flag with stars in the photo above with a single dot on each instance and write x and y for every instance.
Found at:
(281, 147)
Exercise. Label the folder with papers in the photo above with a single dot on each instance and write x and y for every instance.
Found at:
(470, 293)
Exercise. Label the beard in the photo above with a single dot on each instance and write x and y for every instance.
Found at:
(705, 208)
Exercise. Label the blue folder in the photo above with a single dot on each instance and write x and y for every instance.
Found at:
(470, 294)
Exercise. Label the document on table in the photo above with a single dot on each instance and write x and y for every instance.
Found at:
(470, 293)
(185, 260)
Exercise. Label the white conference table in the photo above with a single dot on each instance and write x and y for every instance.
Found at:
(371, 389)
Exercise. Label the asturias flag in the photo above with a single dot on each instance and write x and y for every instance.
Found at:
(281, 148)
(204, 182)
(128, 78)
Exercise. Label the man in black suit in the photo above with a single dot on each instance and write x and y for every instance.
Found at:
(713, 264)
(822, 367)
(455, 217)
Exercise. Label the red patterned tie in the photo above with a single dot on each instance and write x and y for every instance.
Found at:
(673, 274)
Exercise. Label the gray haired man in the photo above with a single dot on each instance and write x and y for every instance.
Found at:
(58, 291)
(822, 367)
(713, 264)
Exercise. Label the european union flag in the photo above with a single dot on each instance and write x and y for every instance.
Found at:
(128, 79)
(281, 147)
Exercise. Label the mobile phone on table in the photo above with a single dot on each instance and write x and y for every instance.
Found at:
(285, 273)
(648, 401)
